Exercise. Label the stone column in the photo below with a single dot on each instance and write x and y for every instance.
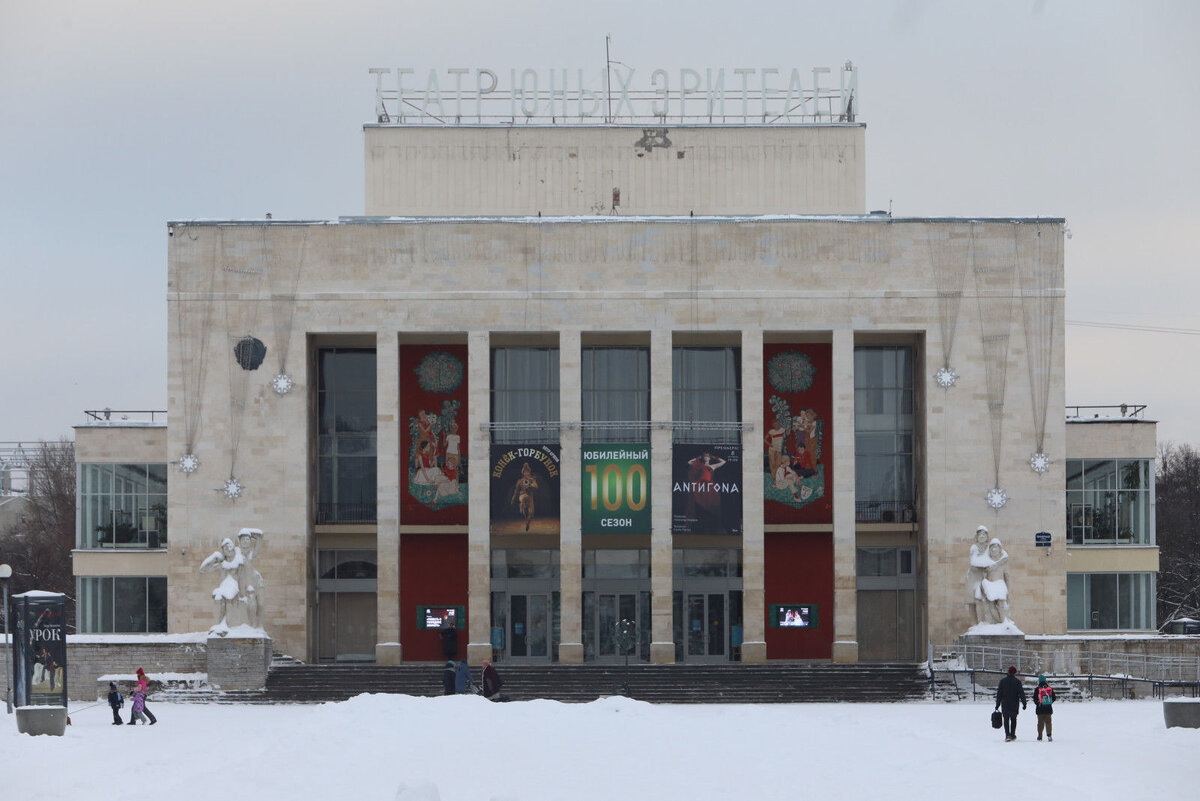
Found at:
(570, 398)
(845, 580)
(662, 638)
(754, 646)
(388, 650)
(479, 587)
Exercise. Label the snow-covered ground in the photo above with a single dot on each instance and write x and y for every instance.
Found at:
(464, 748)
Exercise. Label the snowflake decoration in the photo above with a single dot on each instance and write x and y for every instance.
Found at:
(282, 384)
(996, 498)
(439, 372)
(232, 488)
(946, 377)
(189, 463)
(790, 371)
(1039, 462)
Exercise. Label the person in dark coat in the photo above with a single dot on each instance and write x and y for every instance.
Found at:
(491, 681)
(448, 678)
(1043, 707)
(449, 636)
(462, 678)
(1009, 693)
(116, 702)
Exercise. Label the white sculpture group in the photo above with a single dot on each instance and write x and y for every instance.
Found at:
(987, 579)
(237, 599)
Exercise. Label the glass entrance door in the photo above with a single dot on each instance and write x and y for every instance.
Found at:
(705, 627)
(529, 626)
(602, 612)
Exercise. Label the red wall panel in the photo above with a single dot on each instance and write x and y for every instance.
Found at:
(433, 572)
(799, 570)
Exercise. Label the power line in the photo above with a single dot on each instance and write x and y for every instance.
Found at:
(1153, 329)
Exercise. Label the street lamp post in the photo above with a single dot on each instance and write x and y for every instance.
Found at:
(5, 575)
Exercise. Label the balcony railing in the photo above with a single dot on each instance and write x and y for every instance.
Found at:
(345, 513)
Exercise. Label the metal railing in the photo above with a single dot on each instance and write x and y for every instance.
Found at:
(1135, 667)
(125, 415)
(1120, 410)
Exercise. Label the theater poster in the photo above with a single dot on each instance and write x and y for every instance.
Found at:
(616, 488)
(433, 434)
(797, 445)
(525, 489)
(706, 489)
(39, 653)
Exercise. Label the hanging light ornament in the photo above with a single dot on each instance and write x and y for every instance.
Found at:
(946, 377)
(189, 463)
(232, 488)
(1039, 462)
(282, 384)
(996, 498)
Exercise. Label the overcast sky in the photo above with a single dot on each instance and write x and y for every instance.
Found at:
(117, 116)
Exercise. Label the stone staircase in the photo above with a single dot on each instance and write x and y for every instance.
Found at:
(675, 684)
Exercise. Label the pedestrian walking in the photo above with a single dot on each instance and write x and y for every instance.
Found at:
(137, 707)
(1009, 693)
(143, 686)
(116, 701)
(1043, 707)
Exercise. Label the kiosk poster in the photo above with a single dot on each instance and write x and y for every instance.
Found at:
(706, 489)
(525, 489)
(616, 488)
(797, 408)
(40, 653)
(433, 441)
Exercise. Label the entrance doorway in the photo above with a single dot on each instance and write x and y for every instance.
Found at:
(602, 612)
(707, 625)
(887, 604)
(346, 605)
(525, 613)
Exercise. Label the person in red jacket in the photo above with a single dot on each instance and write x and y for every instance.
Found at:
(143, 686)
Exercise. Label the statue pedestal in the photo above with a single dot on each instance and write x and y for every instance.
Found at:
(238, 663)
(42, 720)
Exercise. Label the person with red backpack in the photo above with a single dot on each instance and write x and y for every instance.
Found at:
(1043, 700)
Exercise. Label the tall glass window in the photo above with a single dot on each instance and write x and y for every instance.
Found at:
(121, 506)
(1110, 502)
(706, 388)
(1111, 601)
(883, 432)
(525, 390)
(616, 389)
(122, 604)
(346, 423)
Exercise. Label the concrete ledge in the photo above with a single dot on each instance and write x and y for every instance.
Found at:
(1182, 713)
(42, 720)
(662, 653)
(845, 652)
(388, 653)
(570, 653)
(754, 653)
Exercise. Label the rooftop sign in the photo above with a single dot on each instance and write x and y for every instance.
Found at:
(618, 94)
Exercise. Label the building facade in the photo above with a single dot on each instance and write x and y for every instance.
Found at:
(568, 384)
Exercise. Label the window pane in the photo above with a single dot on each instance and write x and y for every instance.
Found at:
(1103, 596)
(1077, 601)
(129, 604)
(157, 602)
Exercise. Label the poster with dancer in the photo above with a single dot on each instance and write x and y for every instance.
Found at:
(525, 489)
(433, 436)
(797, 445)
(706, 489)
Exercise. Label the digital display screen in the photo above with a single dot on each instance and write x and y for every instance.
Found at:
(793, 616)
(436, 617)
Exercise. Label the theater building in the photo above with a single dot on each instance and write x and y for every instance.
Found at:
(560, 376)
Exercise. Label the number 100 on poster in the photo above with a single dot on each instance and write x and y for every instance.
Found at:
(616, 488)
